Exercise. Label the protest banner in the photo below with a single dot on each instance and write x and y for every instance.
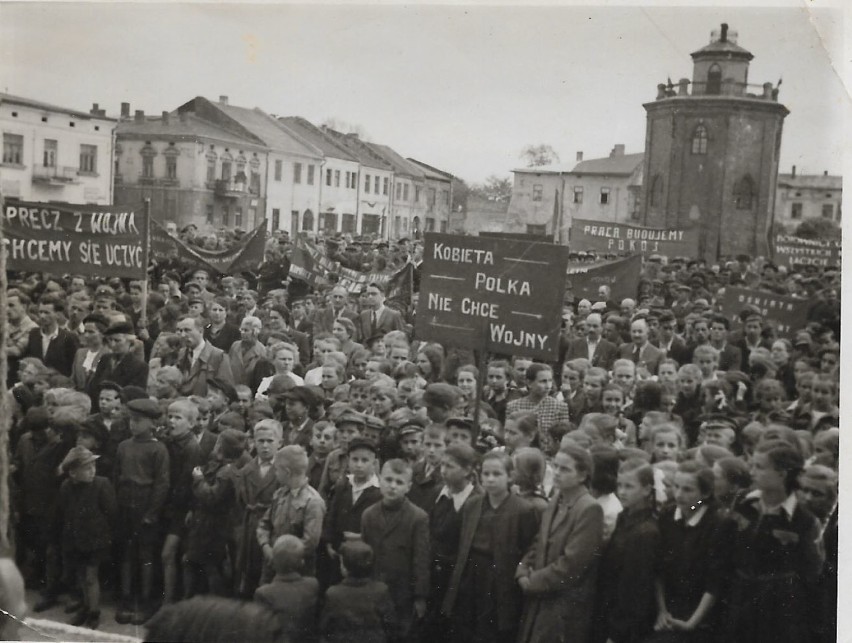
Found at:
(245, 255)
(482, 292)
(790, 251)
(788, 313)
(622, 237)
(621, 275)
(65, 238)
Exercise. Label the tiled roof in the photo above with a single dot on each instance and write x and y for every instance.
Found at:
(359, 149)
(625, 164)
(812, 181)
(431, 172)
(726, 47)
(554, 168)
(314, 135)
(191, 127)
(267, 129)
(399, 163)
(28, 102)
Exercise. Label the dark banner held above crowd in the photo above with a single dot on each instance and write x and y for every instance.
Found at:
(89, 240)
(621, 275)
(787, 313)
(492, 293)
(790, 251)
(247, 254)
(620, 238)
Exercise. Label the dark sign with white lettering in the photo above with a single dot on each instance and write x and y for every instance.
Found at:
(75, 239)
(787, 313)
(502, 295)
(791, 251)
(619, 238)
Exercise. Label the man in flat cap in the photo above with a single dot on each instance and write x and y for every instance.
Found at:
(121, 365)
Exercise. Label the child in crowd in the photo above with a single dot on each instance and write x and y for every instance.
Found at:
(291, 596)
(210, 526)
(323, 442)
(349, 425)
(296, 508)
(593, 383)
(558, 574)
(731, 480)
(255, 483)
(426, 473)
(520, 430)
(401, 553)
(626, 609)
(689, 397)
(528, 469)
(142, 488)
(483, 599)
(87, 514)
(359, 608)
(667, 443)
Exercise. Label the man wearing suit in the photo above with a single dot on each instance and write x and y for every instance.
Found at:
(53, 345)
(324, 318)
(640, 350)
(751, 337)
(715, 333)
(377, 319)
(672, 346)
(593, 347)
(120, 365)
(199, 360)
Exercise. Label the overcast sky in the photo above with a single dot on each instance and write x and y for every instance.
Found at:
(463, 88)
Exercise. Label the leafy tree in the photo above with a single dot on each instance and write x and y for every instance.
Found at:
(495, 188)
(817, 228)
(345, 127)
(537, 155)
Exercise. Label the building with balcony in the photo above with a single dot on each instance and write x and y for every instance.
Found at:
(291, 181)
(374, 183)
(711, 152)
(807, 196)
(439, 198)
(55, 154)
(339, 178)
(194, 170)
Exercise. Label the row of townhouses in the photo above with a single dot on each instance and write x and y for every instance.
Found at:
(217, 165)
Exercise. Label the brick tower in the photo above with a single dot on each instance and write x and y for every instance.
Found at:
(711, 152)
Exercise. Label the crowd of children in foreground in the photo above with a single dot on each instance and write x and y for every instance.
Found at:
(376, 499)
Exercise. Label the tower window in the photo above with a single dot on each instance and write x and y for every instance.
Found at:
(538, 189)
(604, 196)
(744, 193)
(699, 140)
(714, 79)
(796, 211)
(578, 194)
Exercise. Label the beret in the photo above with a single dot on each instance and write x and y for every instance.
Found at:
(145, 407)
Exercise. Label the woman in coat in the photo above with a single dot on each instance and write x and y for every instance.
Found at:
(558, 575)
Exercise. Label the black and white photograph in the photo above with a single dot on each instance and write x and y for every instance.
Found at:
(339, 322)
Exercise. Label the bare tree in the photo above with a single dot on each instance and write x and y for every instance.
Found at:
(537, 155)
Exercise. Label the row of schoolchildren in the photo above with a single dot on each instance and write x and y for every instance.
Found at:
(207, 539)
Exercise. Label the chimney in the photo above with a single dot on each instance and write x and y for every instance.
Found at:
(794, 171)
(95, 109)
(223, 99)
(140, 116)
(618, 150)
(125, 110)
(724, 36)
(579, 156)
(825, 172)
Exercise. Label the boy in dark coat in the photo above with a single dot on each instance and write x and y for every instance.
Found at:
(359, 608)
(142, 486)
(86, 515)
(398, 532)
(290, 595)
(210, 525)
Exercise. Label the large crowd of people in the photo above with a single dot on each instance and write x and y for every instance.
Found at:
(268, 460)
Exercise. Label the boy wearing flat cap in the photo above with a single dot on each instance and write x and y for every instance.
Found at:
(87, 514)
(142, 486)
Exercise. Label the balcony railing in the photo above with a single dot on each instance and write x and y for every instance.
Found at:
(55, 174)
(230, 189)
(766, 91)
